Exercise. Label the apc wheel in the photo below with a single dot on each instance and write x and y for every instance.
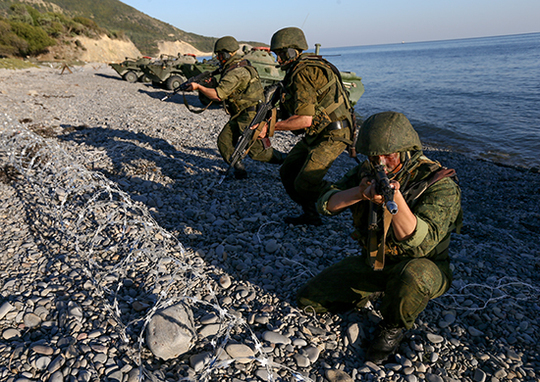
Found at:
(173, 82)
(130, 76)
(144, 78)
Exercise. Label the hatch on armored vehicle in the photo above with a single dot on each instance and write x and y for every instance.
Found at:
(131, 68)
(354, 86)
(262, 59)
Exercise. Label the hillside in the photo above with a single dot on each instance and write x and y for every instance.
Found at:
(146, 33)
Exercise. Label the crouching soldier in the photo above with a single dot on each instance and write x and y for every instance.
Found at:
(405, 254)
(241, 90)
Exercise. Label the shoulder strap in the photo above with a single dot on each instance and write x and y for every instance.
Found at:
(320, 62)
(413, 193)
(416, 190)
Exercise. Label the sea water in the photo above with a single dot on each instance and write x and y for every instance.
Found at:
(478, 96)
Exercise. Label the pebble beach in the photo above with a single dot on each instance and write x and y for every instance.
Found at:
(111, 211)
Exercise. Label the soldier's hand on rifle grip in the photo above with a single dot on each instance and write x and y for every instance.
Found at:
(263, 129)
(192, 86)
(368, 191)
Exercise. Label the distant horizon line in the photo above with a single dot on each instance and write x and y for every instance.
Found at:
(425, 41)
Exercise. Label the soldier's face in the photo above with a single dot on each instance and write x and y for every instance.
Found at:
(390, 162)
(281, 56)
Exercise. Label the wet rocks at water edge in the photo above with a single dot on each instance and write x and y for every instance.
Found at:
(111, 215)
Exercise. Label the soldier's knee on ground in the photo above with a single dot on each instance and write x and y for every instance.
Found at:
(308, 305)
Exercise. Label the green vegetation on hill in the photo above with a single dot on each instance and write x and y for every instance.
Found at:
(25, 31)
(74, 17)
(121, 19)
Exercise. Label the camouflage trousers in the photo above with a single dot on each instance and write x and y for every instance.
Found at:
(308, 162)
(231, 133)
(408, 286)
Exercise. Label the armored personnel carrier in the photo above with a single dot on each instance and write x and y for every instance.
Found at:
(131, 69)
(167, 71)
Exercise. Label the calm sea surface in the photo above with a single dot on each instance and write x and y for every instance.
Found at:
(478, 96)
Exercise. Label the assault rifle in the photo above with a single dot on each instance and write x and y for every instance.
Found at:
(199, 78)
(249, 136)
(382, 186)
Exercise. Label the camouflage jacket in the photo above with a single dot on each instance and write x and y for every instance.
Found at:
(313, 89)
(437, 209)
(239, 86)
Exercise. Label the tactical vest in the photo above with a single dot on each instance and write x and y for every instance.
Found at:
(332, 101)
(244, 96)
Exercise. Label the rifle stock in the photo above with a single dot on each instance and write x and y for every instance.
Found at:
(197, 79)
(249, 136)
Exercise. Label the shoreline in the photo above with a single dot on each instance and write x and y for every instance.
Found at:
(61, 250)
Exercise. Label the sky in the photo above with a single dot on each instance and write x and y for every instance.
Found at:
(339, 23)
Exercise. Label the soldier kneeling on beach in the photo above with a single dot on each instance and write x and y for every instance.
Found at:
(405, 251)
(241, 91)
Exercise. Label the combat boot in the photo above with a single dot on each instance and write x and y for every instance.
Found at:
(240, 171)
(385, 344)
(309, 217)
(277, 157)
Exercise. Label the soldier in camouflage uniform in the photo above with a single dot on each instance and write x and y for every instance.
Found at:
(408, 261)
(314, 104)
(241, 90)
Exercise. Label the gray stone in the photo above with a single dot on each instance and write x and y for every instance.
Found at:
(475, 332)
(434, 338)
(434, 378)
(133, 375)
(240, 352)
(209, 330)
(56, 364)
(312, 352)
(5, 308)
(276, 338)
(334, 375)
(56, 377)
(11, 333)
(355, 334)
(42, 349)
(225, 281)
(170, 332)
(479, 375)
(301, 360)
(43, 362)
(31, 320)
(198, 361)
(410, 378)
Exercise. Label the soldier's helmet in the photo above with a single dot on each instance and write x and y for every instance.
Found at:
(226, 44)
(290, 37)
(386, 133)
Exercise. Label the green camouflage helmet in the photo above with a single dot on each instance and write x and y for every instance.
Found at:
(226, 44)
(290, 37)
(386, 133)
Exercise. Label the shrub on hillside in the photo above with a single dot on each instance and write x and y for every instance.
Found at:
(91, 28)
(10, 43)
(37, 38)
(19, 12)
